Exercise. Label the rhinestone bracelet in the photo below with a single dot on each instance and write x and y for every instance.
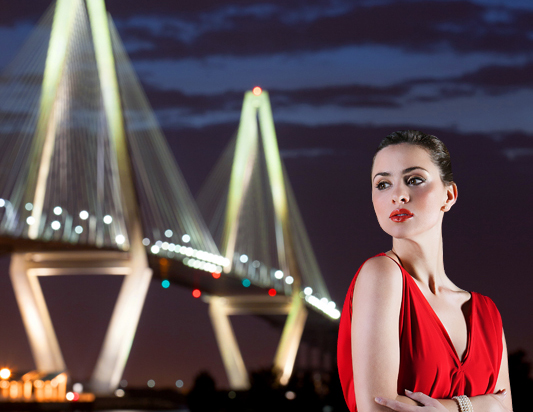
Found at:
(464, 403)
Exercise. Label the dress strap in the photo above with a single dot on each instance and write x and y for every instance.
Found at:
(400, 266)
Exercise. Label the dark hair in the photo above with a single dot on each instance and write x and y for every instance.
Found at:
(437, 150)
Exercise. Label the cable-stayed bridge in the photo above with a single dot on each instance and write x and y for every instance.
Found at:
(88, 185)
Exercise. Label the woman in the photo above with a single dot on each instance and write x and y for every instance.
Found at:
(405, 326)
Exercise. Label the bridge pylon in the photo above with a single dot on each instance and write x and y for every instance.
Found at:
(27, 266)
(257, 226)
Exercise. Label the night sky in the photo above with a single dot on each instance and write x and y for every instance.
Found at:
(342, 74)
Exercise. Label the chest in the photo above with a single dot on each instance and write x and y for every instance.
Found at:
(454, 317)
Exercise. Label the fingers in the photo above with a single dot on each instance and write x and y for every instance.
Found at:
(422, 398)
(395, 405)
(502, 393)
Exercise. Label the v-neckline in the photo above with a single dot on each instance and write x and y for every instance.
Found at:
(468, 320)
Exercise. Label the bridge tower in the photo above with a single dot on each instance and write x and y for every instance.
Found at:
(88, 184)
(253, 216)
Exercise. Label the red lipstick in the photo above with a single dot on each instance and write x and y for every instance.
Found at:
(400, 215)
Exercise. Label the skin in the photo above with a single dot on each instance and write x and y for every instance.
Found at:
(378, 288)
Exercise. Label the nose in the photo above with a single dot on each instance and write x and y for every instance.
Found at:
(400, 196)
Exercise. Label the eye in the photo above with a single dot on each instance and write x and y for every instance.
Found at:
(414, 181)
(382, 185)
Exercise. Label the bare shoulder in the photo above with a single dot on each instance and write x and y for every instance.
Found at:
(379, 278)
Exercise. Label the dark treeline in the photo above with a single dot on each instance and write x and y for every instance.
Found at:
(310, 392)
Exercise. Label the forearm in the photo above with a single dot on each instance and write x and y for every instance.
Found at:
(484, 403)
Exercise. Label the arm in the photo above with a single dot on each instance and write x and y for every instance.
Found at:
(375, 340)
(375, 347)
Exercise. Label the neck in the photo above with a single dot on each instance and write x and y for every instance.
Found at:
(423, 259)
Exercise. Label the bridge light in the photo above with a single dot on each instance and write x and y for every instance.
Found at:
(243, 258)
(308, 291)
(278, 274)
(5, 373)
(246, 283)
(30, 220)
(289, 280)
(56, 225)
(272, 292)
(186, 238)
(108, 219)
(168, 233)
(165, 284)
(332, 304)
(28, 206)
(196, 293)
(57, 210)
(84, 215)
(78, 229)
(257, 90)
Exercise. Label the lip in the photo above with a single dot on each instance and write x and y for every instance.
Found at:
(400, 215)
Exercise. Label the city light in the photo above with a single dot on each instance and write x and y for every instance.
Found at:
(146, 241)
(56, 225)
(165, 284)
(30, 220)
(151, 383)
(243, 258)
(257, 90)
(57, 210)
(289, 280)
(119, 393)
(215, 275)
(2, 202)
(278, 274)
(120, 239)
(179, 383)
(246, 283)
(84, 215)
(168, 233)
(308, 291)
(78, 230)
(186, 238)
(108, 219)
(28, 206)
(196, 293)
(272, 292)
(154, 249)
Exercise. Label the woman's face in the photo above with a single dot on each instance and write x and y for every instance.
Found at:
(408, 194)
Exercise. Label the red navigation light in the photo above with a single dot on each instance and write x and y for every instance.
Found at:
(257, 90)
(196, 293)
(215, 275)
(272, 292)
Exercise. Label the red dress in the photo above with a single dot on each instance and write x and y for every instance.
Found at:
(428, 361)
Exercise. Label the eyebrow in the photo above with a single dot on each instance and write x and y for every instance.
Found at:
(408, 170)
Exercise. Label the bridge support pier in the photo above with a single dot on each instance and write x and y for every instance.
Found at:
(25, 270)
(220, 308)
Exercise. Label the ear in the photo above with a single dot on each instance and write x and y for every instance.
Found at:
(451, 197)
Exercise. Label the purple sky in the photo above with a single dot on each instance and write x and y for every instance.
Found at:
(341, 75)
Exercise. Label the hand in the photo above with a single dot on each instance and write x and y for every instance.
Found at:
(428, 403)
(500, 396)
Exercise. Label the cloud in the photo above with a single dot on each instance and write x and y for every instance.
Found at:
(311, 152)
(272, 27)
(517, 152)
